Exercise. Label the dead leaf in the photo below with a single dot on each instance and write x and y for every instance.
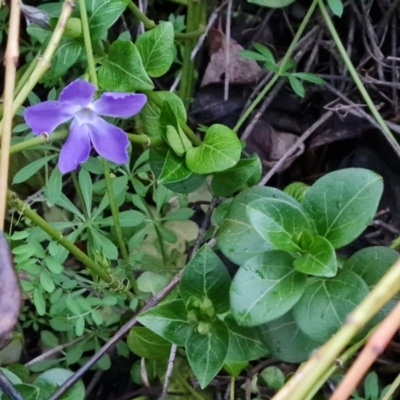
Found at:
(241, 71)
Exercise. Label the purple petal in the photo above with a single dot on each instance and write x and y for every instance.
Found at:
(119, 105)
(79, 93)
(109, 141)
(46, 116)
(76, 149)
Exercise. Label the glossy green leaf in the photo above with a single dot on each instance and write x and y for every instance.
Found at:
(326, 303)
(319, 259)
(178, 141)
(272, 3)
(245, 344)
(343, 203)
(123, 70)
(206, 353)
(286, 341)
(273, 377)
(297, 190)
(278, 221)
(234, 368)
(66, 55)
(237, 238)
(219, 151)
(169, 320)
(306, 76)
(227, 182)
(102, 14)
(145, 343)
(371, 264)
(156, 47)
(172, 172)
(265, 287)
(151, 113)
(205, 277)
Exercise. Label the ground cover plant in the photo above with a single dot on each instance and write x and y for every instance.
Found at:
(171, 228)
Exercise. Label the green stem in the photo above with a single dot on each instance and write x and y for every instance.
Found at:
(36, 141)
(190, 35)
(79, 193)
(19, 205)
(281, 69)
(193, 21)
(152, 96)
(44, 62)
(88, 43)
(25, 76)
(148, 23)
(356, 78)
(115, 212)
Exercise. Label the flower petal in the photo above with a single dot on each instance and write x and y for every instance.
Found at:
(46, 116)
(79, 93)
(109, 141)
(119, 105)
(76, 149)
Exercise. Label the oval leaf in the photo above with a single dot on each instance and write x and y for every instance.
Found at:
(206, 277)
(343, 203)
(156, 47)
(278, 221)
(123, 70)
(144, 343)
(326, 303)
(220, 150)
(206, 353)
(265, 288)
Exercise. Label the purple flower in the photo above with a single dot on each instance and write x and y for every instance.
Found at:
(76, 102)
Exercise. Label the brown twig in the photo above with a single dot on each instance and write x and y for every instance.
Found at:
(375, 346)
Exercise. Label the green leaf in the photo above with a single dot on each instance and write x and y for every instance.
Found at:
(156, 48)
(245, 344)
(273, 377)
(237, 238)
(66, 55)
(326, 303)
(151, 113)
(219, 151)
(278, 221)
(227, 182)
(272, 3)
(266, 52)
(29, 170)
(252, 55)
(178, 141)
(80, 326)
(39, 302)
(296, 85)
(336, 7)
(306, 76)
(102, 15)
(104, 244)
(206, 277)
(183, 214)
(127, 219)
(297, 190)
(86, 186)
(286, 341)
(172, 172)
(53, 188)
(206, 353)
(235, 368)
(144, 343)
(56, 377)
(371, 386)
(343, 203)
(265, 287)
(47, 282)
(319, 259)
(371, 264)
(123, 70)
(169, 320)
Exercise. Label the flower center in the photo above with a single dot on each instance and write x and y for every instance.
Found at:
(85, 115)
